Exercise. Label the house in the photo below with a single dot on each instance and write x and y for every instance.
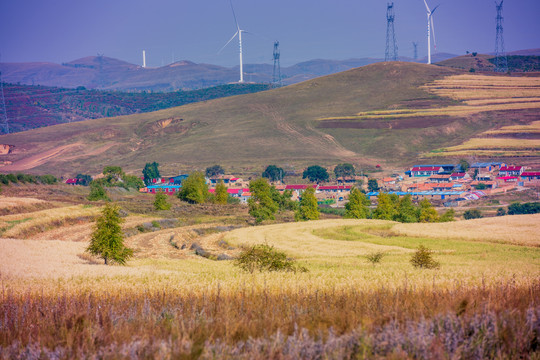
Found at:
(72, 181)
(511, 170)
(349, 179)
(507, 179)
(298, 189)
(169, 189)
(488, 184)
(438, 178)
(530, 175)
(427, 170)
(459, 176)
(227, 179)
(430, 195)
(333, 188)
(177, 180)
(241, 193)
(487, 166)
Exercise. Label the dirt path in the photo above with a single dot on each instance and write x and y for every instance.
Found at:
(40, 159)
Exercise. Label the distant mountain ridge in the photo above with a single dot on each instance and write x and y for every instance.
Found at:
(105, 73)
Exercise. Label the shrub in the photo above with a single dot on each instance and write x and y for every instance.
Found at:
(221, 195)
(501, 211)
(448, 216)
(97, 192)
(472, 214)
(160, 202)
(375, 257)
(423, 258)
(263, 257)
(194, 189)
(48, 179)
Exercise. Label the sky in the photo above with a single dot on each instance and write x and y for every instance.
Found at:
(172, 30)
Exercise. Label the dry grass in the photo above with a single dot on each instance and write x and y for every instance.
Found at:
(516, 230)
(495, 143)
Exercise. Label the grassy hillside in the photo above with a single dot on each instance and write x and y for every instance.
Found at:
(30, 107)
(315, 121)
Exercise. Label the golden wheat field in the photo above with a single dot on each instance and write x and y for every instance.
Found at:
(169, 302)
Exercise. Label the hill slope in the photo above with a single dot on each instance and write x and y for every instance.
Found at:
(315, 121)
(30, 107)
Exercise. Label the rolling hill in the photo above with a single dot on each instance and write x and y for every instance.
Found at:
(30, 107)
(386, 113)
(101, 72)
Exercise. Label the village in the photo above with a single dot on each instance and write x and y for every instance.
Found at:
(446, 185)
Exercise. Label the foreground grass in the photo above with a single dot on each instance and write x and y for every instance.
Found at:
(481, 303)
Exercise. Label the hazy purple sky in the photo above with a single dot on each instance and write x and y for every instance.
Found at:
(64, 30)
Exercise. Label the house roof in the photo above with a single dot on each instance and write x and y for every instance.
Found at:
(334, 187)
(530, 173)
(232, 190)
(511, 168)
(426, 168)
(460, 174)
(72, 181)
(299, 187)
(164, 186)
(440, 176)
(414, 193)
(388, 179)
(485, 164)
(507, 177)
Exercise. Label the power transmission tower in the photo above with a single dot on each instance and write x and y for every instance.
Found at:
(415, 45)
(391, 45)
(501, 62)
(276, 76)
(4, 126)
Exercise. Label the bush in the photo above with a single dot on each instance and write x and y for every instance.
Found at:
(263, 257)
(526, 208)
(48, 179)
(472, 214)
(501, 211)
(308, 208)
(97, 192)
(423, 258)
(375, 257)
(448, 216)
(160, 202)
(194, 189)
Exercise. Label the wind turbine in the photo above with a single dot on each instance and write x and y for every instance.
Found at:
(430, 22)
(239, 33)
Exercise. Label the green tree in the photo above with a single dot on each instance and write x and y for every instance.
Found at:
(427, 212)
(406, 211)
(132, 181)
(423, 258)
(150, 171)
(214, 171)
(385, 209)
(357, 207)
(273, 173)
(464, 164)
(261, 205)
(501, 211)
(221, 194)
(194, 189)
(481, 186)
(107, 239)
(283, 200)
(472, 214)
(83, 179)
(308, 208)
(448, 215)
(316, 174)
(97, 192)
(344, 169)
(161, 202)
(372, 185)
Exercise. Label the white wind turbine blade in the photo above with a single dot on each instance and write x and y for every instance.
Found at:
(234, 14)
(228, 42)
(427, 7)
(433, 32)
(432, 27)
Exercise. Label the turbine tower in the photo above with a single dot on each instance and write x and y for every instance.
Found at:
(501, 62)
(391, 45)
(239, 33)
(276, 76)
(415, 45)
(430, 28)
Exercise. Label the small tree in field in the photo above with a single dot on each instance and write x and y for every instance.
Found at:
(160, 202)
(97, 192)
(261, 205)
(423, 258)
(308, 208)
(107, 239)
